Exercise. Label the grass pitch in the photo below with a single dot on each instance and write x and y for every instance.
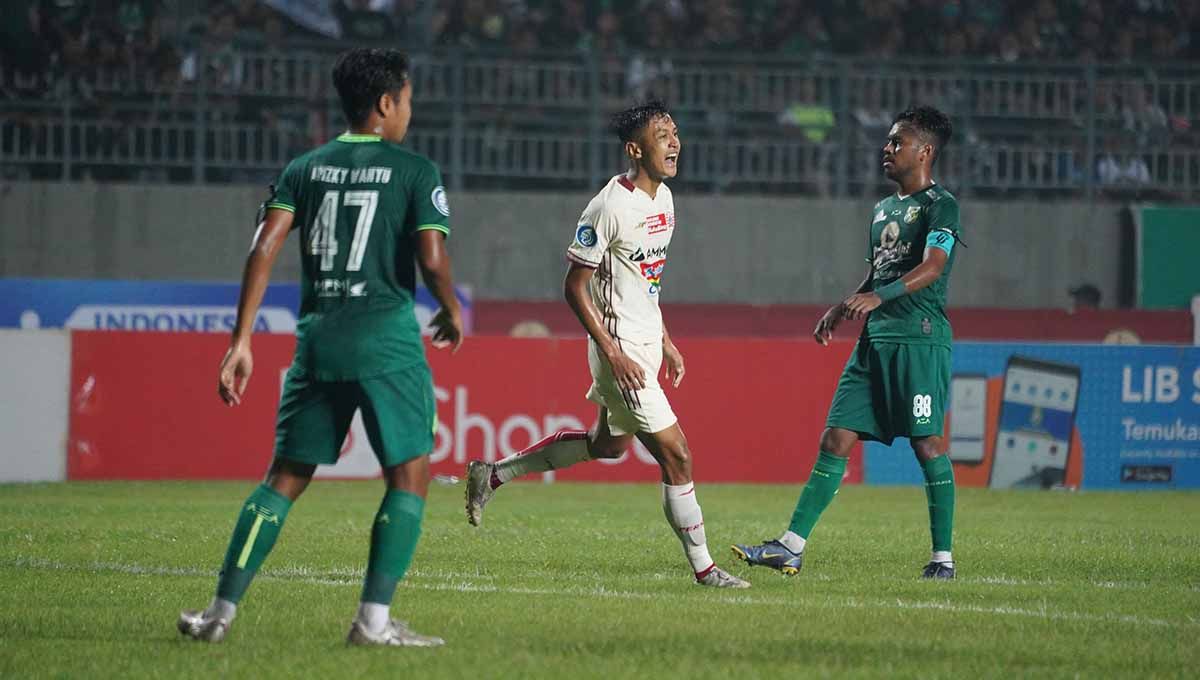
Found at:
(574, 580)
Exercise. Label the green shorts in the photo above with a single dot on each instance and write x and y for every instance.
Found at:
(890, 390)
(398, 410)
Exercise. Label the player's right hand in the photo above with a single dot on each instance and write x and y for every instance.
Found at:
(447, 329)
(628, 373)
(823, 333)
(236, 368)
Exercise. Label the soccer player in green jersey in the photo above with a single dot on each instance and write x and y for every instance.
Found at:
(897, 379)
(368, 212)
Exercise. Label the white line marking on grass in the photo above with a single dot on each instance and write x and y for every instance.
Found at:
(456, 583)
(1009, 581)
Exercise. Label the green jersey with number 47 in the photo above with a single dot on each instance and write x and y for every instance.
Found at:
(901, 229)
(359, 202)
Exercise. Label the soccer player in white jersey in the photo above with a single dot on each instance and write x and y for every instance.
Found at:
(612, 284)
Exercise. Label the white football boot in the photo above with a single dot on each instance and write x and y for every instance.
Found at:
(479, 490)
(196, 626)
(394, 634)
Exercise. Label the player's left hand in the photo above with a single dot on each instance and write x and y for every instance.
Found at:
(236, 368)
(860, 304)
(674, 361)
(447, 329)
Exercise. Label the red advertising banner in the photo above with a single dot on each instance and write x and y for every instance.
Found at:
(698, 320)
(145, 406)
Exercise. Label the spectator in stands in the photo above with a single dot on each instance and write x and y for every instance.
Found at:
(812, 117)
(132, 18)
(23, 44)
(607, 38)
(1189, 29)
(217, 59)
(871, 121)
(1008, 49)
(1030, 40)
(1122, 48)
(812, 40)
(722, 26)
(476, 24)
(361, 24)
(1084, 296)
(567, 26)
(1142, 118)
(1089, 41)
(251, 17)
(1165, 44)
(1121, 170)
(1053, 32)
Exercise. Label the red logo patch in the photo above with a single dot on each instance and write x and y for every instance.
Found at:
(659, 223)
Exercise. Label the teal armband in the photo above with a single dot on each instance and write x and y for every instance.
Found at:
(892, 291)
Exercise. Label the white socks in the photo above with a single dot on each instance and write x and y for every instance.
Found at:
(555, 452)
(941, 556)
(373, 615)
(221, 609)
(792, 541)
(684, 516)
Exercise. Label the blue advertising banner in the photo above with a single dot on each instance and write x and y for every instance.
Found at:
(1048, 415)
(161, 305)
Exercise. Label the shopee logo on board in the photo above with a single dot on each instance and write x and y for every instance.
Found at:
(467, 436)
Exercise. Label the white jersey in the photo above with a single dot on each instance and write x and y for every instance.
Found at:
(624, 234)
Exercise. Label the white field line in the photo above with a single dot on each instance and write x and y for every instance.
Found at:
(457, 583)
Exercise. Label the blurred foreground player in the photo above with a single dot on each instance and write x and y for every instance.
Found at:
(897, 379)
(612, 285)
(366, 209)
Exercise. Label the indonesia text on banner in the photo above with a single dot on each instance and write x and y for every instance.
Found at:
(144, 406)
(163, 305)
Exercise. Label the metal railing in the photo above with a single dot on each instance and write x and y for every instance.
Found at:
(538, 121)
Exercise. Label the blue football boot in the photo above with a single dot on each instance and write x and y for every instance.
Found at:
(943, 570)
(771, 554)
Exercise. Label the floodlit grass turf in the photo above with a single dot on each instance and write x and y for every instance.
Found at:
(578, 580)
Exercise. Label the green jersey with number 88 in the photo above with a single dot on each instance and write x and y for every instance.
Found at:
(359, 202)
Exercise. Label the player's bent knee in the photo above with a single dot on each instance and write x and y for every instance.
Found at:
(612, 448)
(679, 456)
(929, 448)
(838, 441)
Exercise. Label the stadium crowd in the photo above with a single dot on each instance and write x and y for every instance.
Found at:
(129, 61)
(110, 33)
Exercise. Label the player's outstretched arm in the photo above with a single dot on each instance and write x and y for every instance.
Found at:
(238, 363)
(828, 323)
(628, 373)
(858, 306)
(435, 272)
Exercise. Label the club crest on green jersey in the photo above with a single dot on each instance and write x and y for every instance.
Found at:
(912, 214)
(439, 200)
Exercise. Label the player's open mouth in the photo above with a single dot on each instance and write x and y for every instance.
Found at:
(672, 159)
(887, 162)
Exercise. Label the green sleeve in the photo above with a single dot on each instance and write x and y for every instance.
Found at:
(428, 207)
(943, 216)
(285, 194)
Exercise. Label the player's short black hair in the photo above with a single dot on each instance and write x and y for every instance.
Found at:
(934, 126)
(628, 123)
(363, 75)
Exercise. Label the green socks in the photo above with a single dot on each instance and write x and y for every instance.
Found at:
(254, 535)
(393, 542)
(822, 486)
(939, 489)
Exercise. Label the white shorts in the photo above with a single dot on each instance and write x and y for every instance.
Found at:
(644, 410)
